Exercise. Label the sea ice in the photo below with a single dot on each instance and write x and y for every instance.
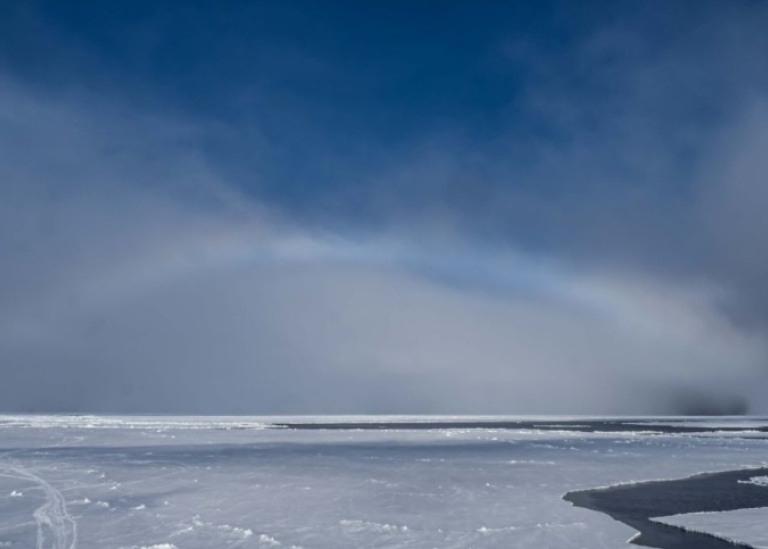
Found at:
(123, 483)
(760, 481)
(749, 526)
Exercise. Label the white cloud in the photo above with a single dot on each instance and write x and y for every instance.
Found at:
(133, 278)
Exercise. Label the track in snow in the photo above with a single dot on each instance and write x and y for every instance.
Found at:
(56, 528)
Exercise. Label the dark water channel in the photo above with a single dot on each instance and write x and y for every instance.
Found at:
(579, 425)
(636, 504)
(632, 504)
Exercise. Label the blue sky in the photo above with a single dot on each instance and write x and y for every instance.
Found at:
(549, 206)
(336, 87)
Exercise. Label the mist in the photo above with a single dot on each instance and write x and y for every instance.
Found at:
(624, 275)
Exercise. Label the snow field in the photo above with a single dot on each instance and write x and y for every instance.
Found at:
(150, 485)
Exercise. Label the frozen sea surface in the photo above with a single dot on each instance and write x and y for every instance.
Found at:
(415, 482)
(742, 526)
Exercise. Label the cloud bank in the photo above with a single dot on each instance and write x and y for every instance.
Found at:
(619, 274)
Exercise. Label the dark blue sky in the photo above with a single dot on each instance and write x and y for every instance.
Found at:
(536, 123)
(388, 67)
(336, 89)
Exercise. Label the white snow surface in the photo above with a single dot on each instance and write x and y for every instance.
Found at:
(748, 526)
(186, 483)
(760, 481)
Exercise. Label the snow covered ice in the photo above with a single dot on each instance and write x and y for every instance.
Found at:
(189, 483)
(741, 526)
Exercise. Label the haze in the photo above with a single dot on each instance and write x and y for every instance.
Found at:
(397, 207)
